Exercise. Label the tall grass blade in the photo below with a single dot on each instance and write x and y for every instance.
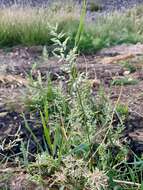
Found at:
(46, 132)
(81, 24)
(46, 111)
(57, 140)
(24, 151)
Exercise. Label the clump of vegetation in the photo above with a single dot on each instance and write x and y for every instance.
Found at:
(129, 66)
(94, 6)
(82, 139)
(125, 81)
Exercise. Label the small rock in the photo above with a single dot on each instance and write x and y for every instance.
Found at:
(126, 73)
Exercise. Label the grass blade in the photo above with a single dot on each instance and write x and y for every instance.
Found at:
(46, 132)
(81, 24)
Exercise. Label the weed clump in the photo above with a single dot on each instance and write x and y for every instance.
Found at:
(82, 132)
(125, 81)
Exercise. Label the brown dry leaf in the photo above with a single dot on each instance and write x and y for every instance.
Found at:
(13, 78)
(110, 60)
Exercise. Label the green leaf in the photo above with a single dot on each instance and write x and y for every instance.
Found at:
(81, 24)
(57, 140)
(141, 186)
(46, 111)
(84, 147)
(46, 132)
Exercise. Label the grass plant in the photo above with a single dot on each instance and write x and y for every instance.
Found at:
(83, 143)
(81, 133)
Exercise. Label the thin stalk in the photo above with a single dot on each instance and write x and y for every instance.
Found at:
(85, 117)
(81, 24)
(127, 183)
(109, 127)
